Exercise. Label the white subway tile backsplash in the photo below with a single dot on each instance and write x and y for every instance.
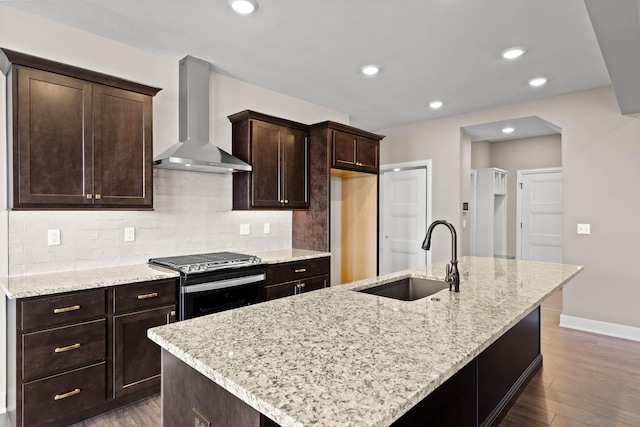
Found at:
(192, 213)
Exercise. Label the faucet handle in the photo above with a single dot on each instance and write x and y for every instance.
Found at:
(449, 279)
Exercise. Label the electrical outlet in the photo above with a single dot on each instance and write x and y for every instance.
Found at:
(129, 234)
(53, 237)
(267, 228)
(245, 229)
(199, 420)
(584, 228)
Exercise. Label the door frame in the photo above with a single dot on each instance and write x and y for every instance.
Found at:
(520, 174)
(396, 167)
(473, 220)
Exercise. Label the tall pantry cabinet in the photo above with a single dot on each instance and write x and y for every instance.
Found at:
(350, 157)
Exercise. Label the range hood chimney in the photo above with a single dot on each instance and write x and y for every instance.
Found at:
(194, 152)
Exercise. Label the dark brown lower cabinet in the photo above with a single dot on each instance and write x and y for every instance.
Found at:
(295, 287)
(292, 278)
(479, 394)
(76, 355)
(136, 359)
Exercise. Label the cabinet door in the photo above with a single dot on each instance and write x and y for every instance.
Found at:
(136, 359)
(52, 139)
(265, 160)
(295, 168)
(344, 150)
(367, 158)
(314, 283)
(280, 290)
(122, 148)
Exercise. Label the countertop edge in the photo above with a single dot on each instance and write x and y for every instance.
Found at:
(44, 284)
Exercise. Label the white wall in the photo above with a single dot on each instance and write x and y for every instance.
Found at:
(192, 210)
(600, 153)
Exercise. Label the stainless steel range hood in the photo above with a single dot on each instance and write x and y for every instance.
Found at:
(194, 152)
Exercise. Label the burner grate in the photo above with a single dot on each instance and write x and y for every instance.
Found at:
(205, 262)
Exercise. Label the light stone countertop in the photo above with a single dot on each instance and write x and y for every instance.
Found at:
(335, 357)
(34, 285)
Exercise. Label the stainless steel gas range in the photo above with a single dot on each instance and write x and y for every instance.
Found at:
(214, 282)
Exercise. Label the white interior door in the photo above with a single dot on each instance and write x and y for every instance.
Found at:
(540, 215)
(403, 209)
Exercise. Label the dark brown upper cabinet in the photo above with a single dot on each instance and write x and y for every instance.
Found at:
(354, 151)
(278, 151)
(81, 139)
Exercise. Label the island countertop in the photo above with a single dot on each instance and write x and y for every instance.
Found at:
(335, 357)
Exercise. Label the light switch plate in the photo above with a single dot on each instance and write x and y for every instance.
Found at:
(245, 229)
(584, 228)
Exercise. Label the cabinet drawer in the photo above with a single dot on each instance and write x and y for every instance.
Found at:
(280, 290)
(278, 273)
(146, 295)
(57, 310)
(58, 396)
(295, 287)
(56, 350)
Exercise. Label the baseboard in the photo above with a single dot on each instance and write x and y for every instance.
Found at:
(602, 328)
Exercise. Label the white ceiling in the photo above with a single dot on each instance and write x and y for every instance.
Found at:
(313, 50)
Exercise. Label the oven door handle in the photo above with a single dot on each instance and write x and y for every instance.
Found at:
(221, 284)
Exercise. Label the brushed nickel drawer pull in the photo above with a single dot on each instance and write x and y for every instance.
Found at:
(300, 270)
(65, 395)
(146, 296)
(66, 309)
(67, 348)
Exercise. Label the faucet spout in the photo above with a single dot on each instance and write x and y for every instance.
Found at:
(453, 276)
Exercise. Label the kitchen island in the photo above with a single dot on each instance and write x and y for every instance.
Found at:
(337, 357)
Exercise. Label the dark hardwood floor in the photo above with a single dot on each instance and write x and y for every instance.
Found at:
(586, 380)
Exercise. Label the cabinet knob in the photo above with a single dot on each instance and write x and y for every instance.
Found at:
(89, 196)
(98, 196)
(302, 285)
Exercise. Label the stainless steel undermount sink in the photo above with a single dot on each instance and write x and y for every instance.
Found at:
(407, 289)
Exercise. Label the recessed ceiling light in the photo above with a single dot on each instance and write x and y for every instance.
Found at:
(244, 6)
(538, 81)
(513, 53)
(370, 70)
(435, 104)
(507, 130)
